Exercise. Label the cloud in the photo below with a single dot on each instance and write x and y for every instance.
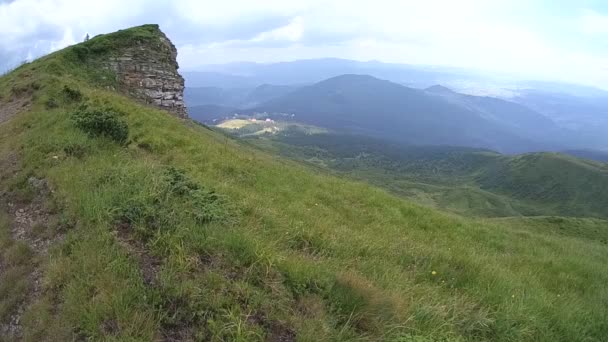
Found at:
(479, 34)
(594, 23)
(291, 32)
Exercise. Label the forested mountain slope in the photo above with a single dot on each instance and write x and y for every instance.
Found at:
(366, 105)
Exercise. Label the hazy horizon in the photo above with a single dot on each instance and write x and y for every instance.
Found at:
(563, 42)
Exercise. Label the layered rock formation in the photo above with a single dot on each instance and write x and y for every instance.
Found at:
(149, 72)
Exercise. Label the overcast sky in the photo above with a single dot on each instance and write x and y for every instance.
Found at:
(534, 39)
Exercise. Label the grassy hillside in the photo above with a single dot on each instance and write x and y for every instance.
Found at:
(461, 180)
(178, 233)
(555, 182)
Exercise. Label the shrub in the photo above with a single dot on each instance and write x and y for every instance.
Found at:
(72, 95)
(51, 103)
(102, 122)
(75, 150)
(206, 205)
(81, 52)
(177, 198)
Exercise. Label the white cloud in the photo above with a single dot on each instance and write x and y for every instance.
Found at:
(481, 34)
(594, 23)
(67, 40)
(291, 32)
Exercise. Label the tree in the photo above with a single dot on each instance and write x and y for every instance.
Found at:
(86, 38)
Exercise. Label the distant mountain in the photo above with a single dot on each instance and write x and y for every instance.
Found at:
(576, 90)
(267, 92)
(601, 156)
(517, 117)
(196, 96)
(308, 71)
(234, 97)
(210, 113)
(196, 79)
(367, 105)
(585, 115)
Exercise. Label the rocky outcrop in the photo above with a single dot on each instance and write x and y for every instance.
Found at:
(149, 73)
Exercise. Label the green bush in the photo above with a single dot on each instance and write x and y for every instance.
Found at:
(101, 122)
(51, 103)
(177, 198)
(81, 52)
(71, 95)
(75, 150)
(204, 205)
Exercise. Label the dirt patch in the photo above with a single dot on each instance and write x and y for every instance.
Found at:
(177, 334)
(280, 333)
(27, 218)
(149, 264)
(276, 331)
(9, 166)
(14, 107)
(109, 327)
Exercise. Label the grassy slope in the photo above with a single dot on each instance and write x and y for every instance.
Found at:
(297, 251)
(460, 180)
(557, 182)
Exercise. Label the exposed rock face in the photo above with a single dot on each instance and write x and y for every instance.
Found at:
(149, 73)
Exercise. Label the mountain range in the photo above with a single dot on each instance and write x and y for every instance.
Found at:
(367, 105)
(579, 111)
(245, 74)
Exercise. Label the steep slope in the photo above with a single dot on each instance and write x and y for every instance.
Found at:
(367, 105)
(161, 229)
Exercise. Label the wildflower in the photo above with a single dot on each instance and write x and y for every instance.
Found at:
(512, 296)
(434, 273)
(55, 157)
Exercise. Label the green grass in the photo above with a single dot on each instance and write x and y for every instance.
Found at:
(15, 265)
(289, 251)
(461, 180)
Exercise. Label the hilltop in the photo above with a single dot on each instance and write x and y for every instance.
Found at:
(121, 219)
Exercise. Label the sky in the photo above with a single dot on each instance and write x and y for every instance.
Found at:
(529, 39)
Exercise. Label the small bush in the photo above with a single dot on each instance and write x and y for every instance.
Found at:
(25, 89)
(206, 205)
(71, 95)
(51, 103)
(75, 150)
(81, 52)
(177, 198)
(102, 122)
